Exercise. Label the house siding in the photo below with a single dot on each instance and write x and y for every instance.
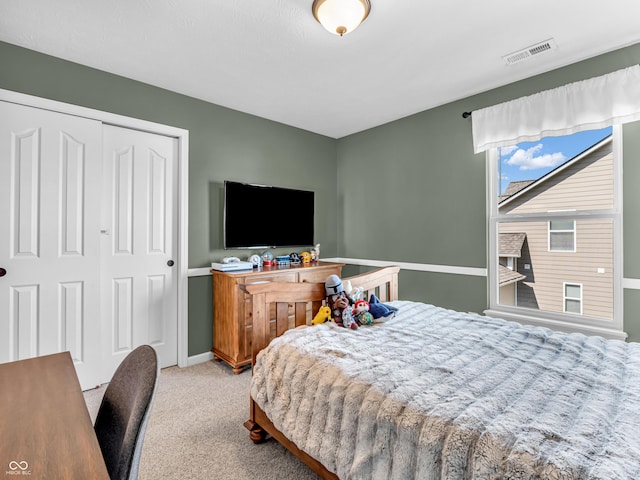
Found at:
(507, 294)
(587, 184)
(543, 286)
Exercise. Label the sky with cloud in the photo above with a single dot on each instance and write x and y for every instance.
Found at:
(532, 160)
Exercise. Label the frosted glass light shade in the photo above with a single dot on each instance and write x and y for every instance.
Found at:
(340, 16)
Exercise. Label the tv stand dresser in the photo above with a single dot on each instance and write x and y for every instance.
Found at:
(232, 322)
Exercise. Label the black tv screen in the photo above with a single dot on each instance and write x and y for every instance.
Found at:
(262, 216)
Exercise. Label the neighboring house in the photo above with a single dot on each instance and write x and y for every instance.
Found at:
(561, 265)
(509, 253)
(514, 187)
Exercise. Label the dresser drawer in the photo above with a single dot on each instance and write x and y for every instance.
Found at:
(286, 277)
(318, 276)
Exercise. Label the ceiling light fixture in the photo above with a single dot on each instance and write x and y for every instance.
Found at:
(340, 16)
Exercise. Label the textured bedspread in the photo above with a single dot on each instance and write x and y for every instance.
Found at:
(436, 394)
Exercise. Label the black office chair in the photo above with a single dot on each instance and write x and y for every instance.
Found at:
(122, 418)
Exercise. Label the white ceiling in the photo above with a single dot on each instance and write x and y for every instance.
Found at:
(272, 59)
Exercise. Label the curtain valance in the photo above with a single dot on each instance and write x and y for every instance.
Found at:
(590, 104)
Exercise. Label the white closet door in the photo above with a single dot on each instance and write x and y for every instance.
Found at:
(50, 168)
(139, 244)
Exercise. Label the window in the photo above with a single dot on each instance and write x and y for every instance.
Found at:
(573, 298)
(555, 209)
(562, 236)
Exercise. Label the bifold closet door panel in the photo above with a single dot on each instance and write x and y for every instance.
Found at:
(50, 180)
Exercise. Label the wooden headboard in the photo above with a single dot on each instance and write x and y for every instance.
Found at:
(278, 302)
(278, 306)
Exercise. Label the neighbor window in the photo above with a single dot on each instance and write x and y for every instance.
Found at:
(573, 298)
(555, 209)
(562, 236)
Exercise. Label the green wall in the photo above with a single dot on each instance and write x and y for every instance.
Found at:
(223, 144)
(421, 194)
(407, 191)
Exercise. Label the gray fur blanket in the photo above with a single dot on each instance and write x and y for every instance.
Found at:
(438, 394)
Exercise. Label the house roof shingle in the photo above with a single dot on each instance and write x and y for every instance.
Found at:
(507, 276)
(514, 187)
(510, 244)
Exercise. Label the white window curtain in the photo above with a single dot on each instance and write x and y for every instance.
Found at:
(590, 104)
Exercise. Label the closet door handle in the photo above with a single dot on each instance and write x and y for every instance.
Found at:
(3, 272)
(170, 263)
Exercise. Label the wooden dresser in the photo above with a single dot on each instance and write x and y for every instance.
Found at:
(232, 323)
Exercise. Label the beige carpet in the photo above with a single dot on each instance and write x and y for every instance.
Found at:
(195, 430)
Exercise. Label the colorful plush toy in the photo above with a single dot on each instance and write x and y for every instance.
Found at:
(380, 311)
(338, 302)
(348, 321)
(322, 316)
(361, 313)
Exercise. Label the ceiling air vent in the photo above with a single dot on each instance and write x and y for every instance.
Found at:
(525, 53)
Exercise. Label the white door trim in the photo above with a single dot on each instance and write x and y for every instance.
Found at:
(183, 187)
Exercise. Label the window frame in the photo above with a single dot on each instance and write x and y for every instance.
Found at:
(565, 297)
(569, 322)
(573, 231)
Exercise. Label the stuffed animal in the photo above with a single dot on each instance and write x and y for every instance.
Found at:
(354, 294)
(380, 311)
(322, 316)
(338, 302)
(361, 313)
(348, 320)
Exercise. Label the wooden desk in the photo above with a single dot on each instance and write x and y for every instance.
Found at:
(45, 427)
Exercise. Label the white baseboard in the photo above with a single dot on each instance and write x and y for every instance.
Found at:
(200, 358)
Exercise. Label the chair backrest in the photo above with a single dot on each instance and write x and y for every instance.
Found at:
(123, 414)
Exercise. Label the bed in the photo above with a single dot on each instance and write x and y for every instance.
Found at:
(434, 393)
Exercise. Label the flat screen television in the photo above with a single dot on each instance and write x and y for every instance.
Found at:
(263, 216)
